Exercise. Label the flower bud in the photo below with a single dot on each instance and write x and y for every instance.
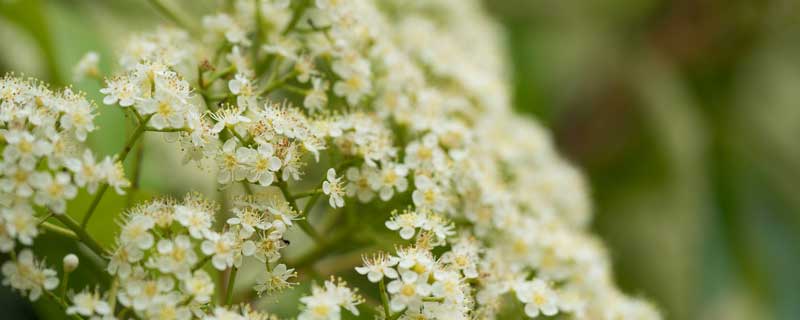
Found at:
(70, 262)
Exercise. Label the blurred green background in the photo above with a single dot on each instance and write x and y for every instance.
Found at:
(684, 114)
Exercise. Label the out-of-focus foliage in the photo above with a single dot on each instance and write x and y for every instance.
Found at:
(685, 114)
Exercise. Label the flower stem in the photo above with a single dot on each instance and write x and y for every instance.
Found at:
(64, 285)
(122, 155)
(59, 230)
(171, 14)
(303, 223)
(82, 235)
(384, 298)
(200, 263)
(137, 172)
(296, 15)
(304, 194)
(229, 290)
(61, 303)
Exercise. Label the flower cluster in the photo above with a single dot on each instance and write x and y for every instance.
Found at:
(44, 164)
(387, 109)
(163, 245)
(327, 302)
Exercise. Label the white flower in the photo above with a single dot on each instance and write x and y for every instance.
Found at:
(122, 259)
(78, 116)
(232, 162)
(304, 67)
(228, 117)
(197, 221)
(407, 222)
(407, 291)
(263, 166)
(200, 286)
(243, 88)
(144, 292)
(379, 266)
(426, 154)
(292, 163)
(538, 297)
(114, 174)
(325, 303)
(249, 219)
(175, 256)
(463, 255)
(53, 192)
(88, 303)
(222, 247)
(275, 280)
(359, 183)
(332, 187)
(120, 90)
(27, 275)
(20, 223)
(17, 181)
(24, 148)
(136, 232)
(168, 109)
(225, 25)
(439, 226)
(415, 259)
(85, 171)
(428, 195)
(353, 88)
(317, 98)
(267, 249)
(389, 179)
(87, 66)
(449, 285)
(220, 313)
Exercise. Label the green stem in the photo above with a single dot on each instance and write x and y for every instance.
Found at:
(59, 230)
(247, 188)
(61, 304)
(200, 263)
(122, 155)
(64, 285)
(112, 296)
(137, 172)
(238, 136)
(277, 83)
(384, 298)
(303, 223)
(219, 74)
(296, 15)
(433, 299)
(304, 194)
(319, 251)
(122, 313)
(295, 89)
(82, 235)
(171, 14)
(310, 203)
(397, 315)
(165, 129)
(259, 34)
(229, 290)
(44, 219)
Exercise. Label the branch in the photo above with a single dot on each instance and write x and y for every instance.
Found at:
(122, 155)
(81, 234)
(171, 14)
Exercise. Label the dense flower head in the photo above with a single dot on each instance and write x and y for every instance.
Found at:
(44, 160)
(395, 113)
